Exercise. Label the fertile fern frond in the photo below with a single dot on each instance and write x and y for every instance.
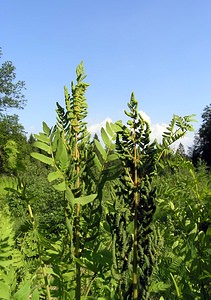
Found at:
(135, 246)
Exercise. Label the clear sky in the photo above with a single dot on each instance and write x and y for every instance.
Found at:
(159, 49)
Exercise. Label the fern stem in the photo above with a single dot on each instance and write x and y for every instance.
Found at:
(135, 243)
(45, 276)
(78, 208)
(135, 253)
(90, 284)
(77, 254)
(176, 286)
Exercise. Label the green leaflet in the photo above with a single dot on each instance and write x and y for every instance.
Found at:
(46, 129)
(176, 286)
(208, 233)
(35, 295)
(64, 159)
(85, 199)
(59, 148)
(4, 291)
(54, 175)
(42, 146)
(62, 154)
(175, 244)
(54, 139)
(23, 293)
(60, 187)
(98, 163)
(171, 204)
(112, 157)
(110, 130)
(69, 196)
(100, 149)
(41, 157)
(105, 137)
(68, 276)
(42, 137)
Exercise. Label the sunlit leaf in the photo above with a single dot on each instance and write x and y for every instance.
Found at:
(105, 138)
(171, 204)
(175, 244)
(41, 157)
(60, 187)
(100, 149)
(85, 199)
(35, 295)
(46, 129)
(4, 291)
(23, 293)
(109, 130)
(64, 159)
(54, 175)
(42, 137)
(112, 157)
(69, 195)
(42, 146)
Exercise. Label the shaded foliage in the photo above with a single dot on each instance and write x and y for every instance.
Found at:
(202, 143)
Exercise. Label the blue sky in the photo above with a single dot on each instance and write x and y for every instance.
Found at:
(161, 50)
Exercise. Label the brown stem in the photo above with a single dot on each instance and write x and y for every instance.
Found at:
(77, 237)
(135, 242)
(135, 249)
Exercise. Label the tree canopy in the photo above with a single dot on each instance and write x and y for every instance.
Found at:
(12, 133)
(11, 95)
(202, 143)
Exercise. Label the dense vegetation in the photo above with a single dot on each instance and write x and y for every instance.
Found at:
(115, 217)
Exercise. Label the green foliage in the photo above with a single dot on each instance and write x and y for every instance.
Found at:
(12, 144)
(202, 143)
(11, 152)
(12, 284)
(183, 216)
(177, 129)
(22, 249)
(8, 184)
(134, 243)
(11, 95)
(133, 229)
(67, 149)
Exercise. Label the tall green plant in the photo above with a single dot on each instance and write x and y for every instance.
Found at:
(134, 247)
(68, 150)
(135, 240)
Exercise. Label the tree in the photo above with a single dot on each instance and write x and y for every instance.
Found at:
(11, 95)
(11, 129)
(202, 143)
